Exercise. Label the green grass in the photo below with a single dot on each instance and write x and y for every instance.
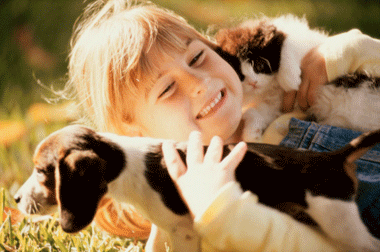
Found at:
(46, 235)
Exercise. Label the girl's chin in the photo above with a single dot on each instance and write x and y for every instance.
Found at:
(229, 135)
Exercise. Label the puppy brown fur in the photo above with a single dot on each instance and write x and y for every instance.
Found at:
(259, 38)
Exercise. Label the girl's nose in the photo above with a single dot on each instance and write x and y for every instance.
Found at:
(197, 84)
(199, 89)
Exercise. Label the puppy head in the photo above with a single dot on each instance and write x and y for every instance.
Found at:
(253, 49)
(254, 40)
(72, 169)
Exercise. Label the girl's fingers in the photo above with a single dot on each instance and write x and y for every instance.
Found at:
(176, 167)
(214, 151)
(235, 157)
(194, 149)
(288, 101)
(318, 81)
(302, 94)
(314, 75)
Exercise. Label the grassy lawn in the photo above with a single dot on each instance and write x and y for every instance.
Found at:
(46, 235)
(26, 119)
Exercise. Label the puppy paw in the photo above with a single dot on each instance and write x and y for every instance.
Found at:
(289, 78)
(252, 135)
(254, 125)
(289, 73)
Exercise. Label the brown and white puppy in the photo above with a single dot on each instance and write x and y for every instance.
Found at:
(75, 167)
(267, 53)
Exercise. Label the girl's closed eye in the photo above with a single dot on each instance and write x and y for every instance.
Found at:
(167, 89)
(197, 59)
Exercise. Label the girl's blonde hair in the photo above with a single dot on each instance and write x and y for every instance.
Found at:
(108, 60)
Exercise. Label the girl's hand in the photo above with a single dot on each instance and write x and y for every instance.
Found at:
(205, 175)
(314, 74)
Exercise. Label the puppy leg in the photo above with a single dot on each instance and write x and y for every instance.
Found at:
(184, 238)
(256, 120)
(254, 125)
(289, 73)
(157, 240)
(340, 221)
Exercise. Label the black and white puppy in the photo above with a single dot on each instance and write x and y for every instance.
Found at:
(267, 53)
(76, 166)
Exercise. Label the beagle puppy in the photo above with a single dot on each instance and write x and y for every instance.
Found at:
(76, 166)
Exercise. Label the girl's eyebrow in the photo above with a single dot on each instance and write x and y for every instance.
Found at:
(189, 40)
(160, 74)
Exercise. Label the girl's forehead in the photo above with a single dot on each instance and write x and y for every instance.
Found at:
(159, 52)
(158, 55)
(162, 50)
(152, 66)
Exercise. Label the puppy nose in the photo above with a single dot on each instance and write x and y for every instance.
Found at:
(17, 198)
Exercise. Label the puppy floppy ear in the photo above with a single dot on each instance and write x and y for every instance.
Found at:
(358, 147)
(80, 186)
(349, 154)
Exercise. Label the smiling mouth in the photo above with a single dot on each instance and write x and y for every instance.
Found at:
(213, 105)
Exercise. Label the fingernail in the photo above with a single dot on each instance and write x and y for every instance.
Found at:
(195, 134)
(167, 145)
(217, 139)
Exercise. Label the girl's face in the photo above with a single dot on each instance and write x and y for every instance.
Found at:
(193, 90)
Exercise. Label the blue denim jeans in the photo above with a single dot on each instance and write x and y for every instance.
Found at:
(312, 136)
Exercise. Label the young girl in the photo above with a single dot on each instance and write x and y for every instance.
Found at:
(212, 210)
(141, 70)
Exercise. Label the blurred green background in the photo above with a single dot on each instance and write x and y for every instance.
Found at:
(35, 33)
(34, 47)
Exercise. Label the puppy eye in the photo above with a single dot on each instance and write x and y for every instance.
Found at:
(262, 65)
(40, 171)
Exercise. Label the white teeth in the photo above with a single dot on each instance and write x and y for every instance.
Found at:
(207, 110)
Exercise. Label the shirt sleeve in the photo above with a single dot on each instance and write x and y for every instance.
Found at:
(235, 221)
(350, 52)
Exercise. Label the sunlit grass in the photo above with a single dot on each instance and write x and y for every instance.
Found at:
(46, 235)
